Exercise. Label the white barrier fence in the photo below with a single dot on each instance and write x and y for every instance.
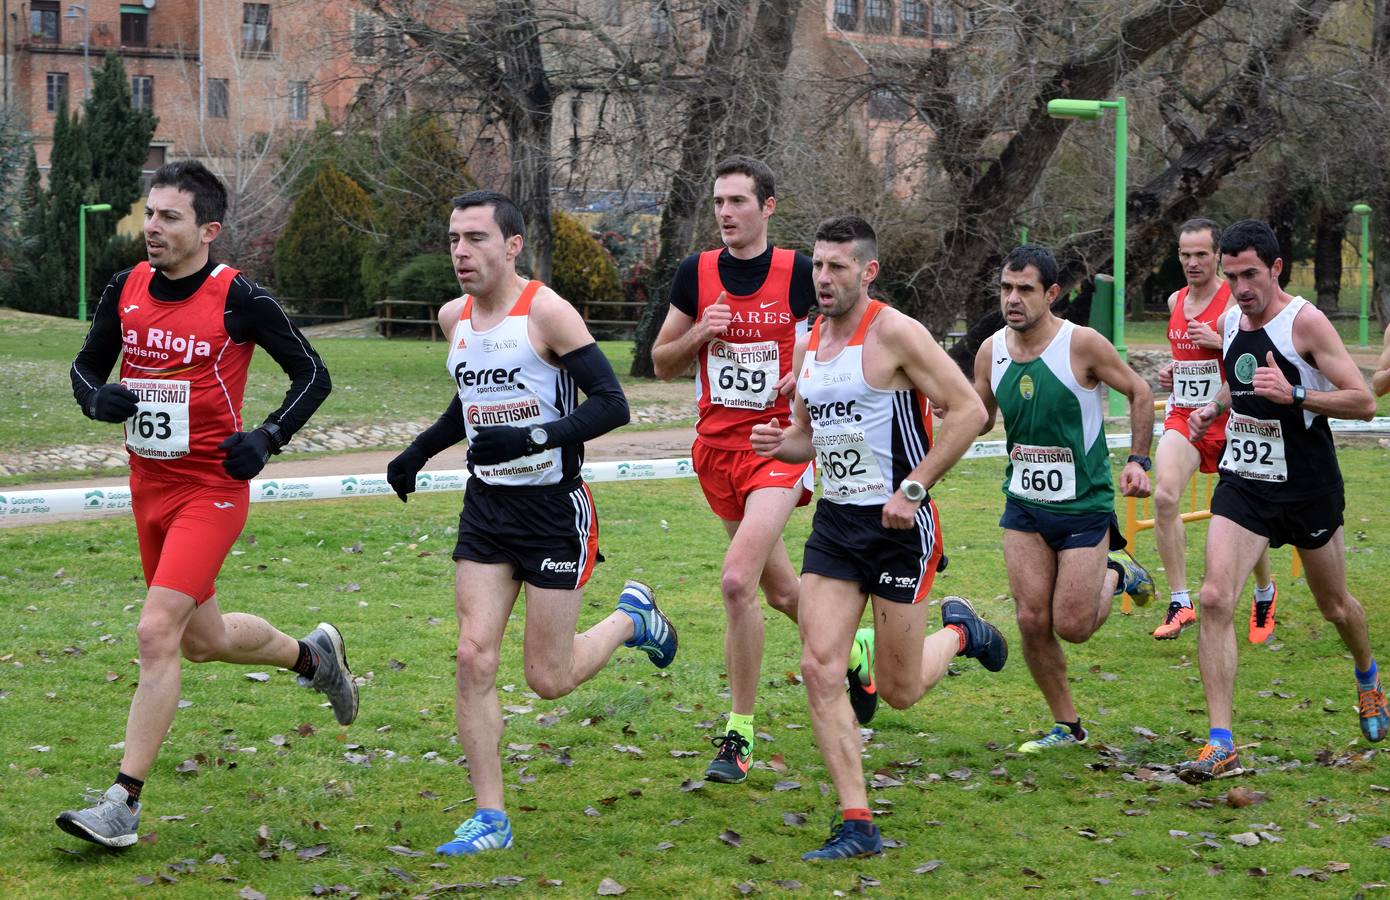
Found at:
(68, 501)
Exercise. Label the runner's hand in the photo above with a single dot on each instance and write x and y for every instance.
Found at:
(497, 444)
(1200, 419)
(767, 438)
(401, 471)
(786, 384)
(112, 403)
(247, 452)
(717, 316)
(899, 512)
(1203, 335)
(1165, 377)
(1134, 481)
(1270, 382)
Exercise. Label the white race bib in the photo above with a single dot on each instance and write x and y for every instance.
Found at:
(159, 428)
(1046, 474)
(1255, 449)
(848, 467)
(519, 413)
(742, 376)
(1195, 382)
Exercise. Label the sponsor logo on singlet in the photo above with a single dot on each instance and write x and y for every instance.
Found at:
(491, 346)
(833, 412)
(165, 346)
(1245, 368)
(1025, 387)
(498, 378)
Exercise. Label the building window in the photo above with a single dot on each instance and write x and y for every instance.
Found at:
(142, 91)
(884, 104)
(847, 15)
(393, 40)
(57, 84)
(255, 27)
(878, 16)
(43, 20)
(914, 18)
(659, 23)
(363, 37)
(217, 98)
(943, 21)
(611, 13)
(135, 30)
(299, 101)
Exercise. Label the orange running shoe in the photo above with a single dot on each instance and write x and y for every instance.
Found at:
(1214, 761)
(1178, 618)
(1262, 619)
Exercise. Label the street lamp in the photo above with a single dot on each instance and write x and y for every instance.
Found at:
(1364, 211)
(82, 254)
(72, 13)
(1089, 111)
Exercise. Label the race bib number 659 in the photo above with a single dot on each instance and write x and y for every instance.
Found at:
(743, 376)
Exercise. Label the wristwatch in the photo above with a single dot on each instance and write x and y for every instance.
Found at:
(1300, 393)
(536, 436)
(1144, 462)
(277, 439)
(913, 490)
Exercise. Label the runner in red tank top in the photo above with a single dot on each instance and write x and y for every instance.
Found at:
(735, 313)
(1194, 376)
(185, 329)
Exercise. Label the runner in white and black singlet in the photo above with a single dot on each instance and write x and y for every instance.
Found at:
(1286, 372)
(865, 378)
(518, 351)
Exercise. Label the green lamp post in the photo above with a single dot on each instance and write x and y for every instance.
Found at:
(1089, 111)
(82, 254)
(1364, 211)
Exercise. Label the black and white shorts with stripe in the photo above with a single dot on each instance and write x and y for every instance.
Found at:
(548, 534)
(849, 543)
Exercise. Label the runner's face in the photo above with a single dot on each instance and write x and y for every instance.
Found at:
(1253, 284)
(482, 257)
(174, 241)
(742, 221)
(840, 277)
(1022, 299)
(1197, 253)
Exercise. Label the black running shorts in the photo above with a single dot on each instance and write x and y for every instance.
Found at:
(1307, 524)
(849, 543)
(549, 535)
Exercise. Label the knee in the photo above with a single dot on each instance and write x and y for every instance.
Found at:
(157, 637)
(784, 601)
(198, 650)
(550, 685)
(740, 589)
(1072, 631)
(1337, 609)
(894, 692)
(475, 663)
(1166, 499)
(822, 675)
(1216, 603)
(1033, 620)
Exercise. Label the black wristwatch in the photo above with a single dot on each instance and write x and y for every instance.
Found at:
(1300, 393)
(277, 440)
(1144, 462)
(536, 438)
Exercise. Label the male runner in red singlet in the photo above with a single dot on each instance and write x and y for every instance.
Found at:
(185, 328)
(1194, 376)
(735, 313)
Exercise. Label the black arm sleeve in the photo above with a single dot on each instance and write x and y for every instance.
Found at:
(447, 431)
(256, 316)
(803, 289)
(102, 347)
(685, 287)
(604, 407)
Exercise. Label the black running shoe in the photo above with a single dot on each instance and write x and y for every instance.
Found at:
(982, 640)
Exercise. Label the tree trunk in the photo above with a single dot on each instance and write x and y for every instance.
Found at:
(528, 118)
(1285, 209)
(757, 102)
(685, 201)
(1330, 231)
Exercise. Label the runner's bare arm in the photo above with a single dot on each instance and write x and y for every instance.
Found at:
(448, 318)
(982, 386)
(1201, 418)
(681, 338)
(1103, 363)
(1316, 340)
(787, 441)
(935, 374)
(1380, 379)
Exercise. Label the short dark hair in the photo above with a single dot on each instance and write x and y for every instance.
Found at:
(209, 194)
(1037, 256)
(1192, 226)
(504, 211)
(763, 183)
(1251, 234)
(846, 229)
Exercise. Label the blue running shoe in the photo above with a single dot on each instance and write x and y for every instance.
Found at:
(848, 840)
(982, 640)
(652, 632)
(1136, 580)
(489, 829)
(1059, 736)
(1375, 721)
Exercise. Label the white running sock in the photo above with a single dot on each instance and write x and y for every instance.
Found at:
(1264, 594)
(1181, 598)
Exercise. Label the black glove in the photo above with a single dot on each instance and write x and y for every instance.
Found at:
(498, 444)
(247, 452)
(112, 403)
(401, 471)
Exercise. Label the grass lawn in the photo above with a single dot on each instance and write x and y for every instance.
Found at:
(605, 784)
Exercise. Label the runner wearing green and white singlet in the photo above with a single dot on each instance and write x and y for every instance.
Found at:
(1062, 544)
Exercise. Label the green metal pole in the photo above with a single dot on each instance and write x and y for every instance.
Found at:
(82, 211)
(1364, 211)
(1117, 400)
(1023, 234)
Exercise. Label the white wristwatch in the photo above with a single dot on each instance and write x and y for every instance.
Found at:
(913, 490)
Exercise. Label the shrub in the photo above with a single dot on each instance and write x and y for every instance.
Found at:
(429, 276)
(319, 254)
(581, 270)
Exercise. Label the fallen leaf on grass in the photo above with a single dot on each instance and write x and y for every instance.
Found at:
(787, 884)
(144, 879)
(665, 845)
(1239, 797)
(248, 893)
(188, 766)
(1246, 839)
(787, 786)
(314, 852)
(746, 887)
(1382, 842)
(404, 851)
(610, 888)
(731, 837)
(691, 784)
(777, 763)
(1336, 867)
(508, 880)
(932, 865)
(796, 820)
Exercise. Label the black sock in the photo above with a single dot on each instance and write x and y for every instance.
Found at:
(1075, 728)
(308, 662)
(1118, 569)
(132, 787)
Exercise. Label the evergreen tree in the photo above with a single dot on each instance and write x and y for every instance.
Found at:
(122, 136)
(47, 283)
(319, 254)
